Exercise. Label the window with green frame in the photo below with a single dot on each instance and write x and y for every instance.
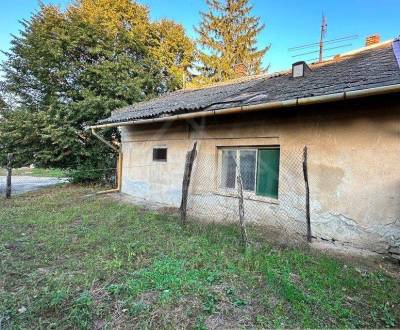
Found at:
(259, 169)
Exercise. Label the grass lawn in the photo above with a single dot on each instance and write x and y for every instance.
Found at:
(38, 172)
(72, 261)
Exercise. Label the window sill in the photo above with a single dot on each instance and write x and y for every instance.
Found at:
(248, 196)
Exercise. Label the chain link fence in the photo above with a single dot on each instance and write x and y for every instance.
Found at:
(249, 185)
(23, 180)
(262, 186)
(25, 183)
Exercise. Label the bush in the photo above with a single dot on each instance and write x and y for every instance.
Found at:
(104, 172)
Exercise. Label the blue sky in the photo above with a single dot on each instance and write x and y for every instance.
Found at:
(288, 23)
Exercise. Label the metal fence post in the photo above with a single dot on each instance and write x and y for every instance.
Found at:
(305, 172)
(9, 174)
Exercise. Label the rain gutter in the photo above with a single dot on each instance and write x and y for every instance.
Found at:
(119, 162)
(264, 106)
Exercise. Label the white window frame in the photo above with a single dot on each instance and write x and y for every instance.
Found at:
(247, 194)
(237, 152)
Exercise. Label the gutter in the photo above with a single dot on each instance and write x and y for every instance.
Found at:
(119, 166)
(264, 106)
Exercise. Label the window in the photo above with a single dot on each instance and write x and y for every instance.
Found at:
(160, 154)
(259, 169)
(228, 168)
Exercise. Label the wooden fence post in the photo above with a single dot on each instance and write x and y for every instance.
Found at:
(305, 172)
(190, 157)
(9, 174)
(241, 210)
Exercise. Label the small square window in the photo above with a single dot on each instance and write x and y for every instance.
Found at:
(160, 154)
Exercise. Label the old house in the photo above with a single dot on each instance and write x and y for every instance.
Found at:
(346, 111)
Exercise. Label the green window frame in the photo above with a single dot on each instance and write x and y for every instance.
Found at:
(259, 168)
(268, 160)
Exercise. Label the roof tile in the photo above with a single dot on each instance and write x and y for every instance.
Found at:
(372, 67)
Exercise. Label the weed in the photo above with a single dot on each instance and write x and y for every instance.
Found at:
(81, 312)
(58, 297)
(138, 308)
(210, 303)
(151, 273)
(387, 317)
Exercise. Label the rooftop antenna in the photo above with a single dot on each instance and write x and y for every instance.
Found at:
(324, 30)
(322, 43)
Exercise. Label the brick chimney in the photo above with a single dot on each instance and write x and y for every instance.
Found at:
(372, 40)
(241, 70)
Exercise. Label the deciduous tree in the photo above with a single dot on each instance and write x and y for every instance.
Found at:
(70, 68)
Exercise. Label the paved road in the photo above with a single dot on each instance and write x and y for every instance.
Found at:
(21, 184)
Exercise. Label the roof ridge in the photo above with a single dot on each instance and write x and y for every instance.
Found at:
(374, 66)
(281, 72)
(228, 82)
(350, 54)
(365, 48)
(396, 49)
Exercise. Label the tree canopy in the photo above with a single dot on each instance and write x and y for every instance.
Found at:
(67, 69)
(228, 36)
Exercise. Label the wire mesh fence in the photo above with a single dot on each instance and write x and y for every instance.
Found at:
(249, 185)
(26, 183)
(271, 181)
(27, 179)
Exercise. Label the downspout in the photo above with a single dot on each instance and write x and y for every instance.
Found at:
(119, 162)
(265, 106)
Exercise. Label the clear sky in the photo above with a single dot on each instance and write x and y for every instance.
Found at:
(288, 23)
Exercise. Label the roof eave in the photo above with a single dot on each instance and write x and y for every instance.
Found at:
(265, 106)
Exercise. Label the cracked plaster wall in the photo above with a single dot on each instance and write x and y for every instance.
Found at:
(354, 163)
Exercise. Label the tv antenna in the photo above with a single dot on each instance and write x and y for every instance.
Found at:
(324, 30)
(307, 48)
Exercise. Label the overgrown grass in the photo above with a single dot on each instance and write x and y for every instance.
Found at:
(38, 172)
(72, 261)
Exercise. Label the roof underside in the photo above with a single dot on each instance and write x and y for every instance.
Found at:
(375, 67)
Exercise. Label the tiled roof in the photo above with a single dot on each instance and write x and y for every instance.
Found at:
(372, 67)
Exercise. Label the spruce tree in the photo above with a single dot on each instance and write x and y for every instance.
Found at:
(3, 104)
(228, 36)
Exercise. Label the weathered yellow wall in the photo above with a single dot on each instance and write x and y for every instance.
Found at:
(354, 163)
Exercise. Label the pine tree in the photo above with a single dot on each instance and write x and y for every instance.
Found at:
(228, 35)
(3, 104)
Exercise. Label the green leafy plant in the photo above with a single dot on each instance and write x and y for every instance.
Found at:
(210, 303)
(81, 312)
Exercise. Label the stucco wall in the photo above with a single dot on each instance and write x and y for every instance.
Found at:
(354, 164)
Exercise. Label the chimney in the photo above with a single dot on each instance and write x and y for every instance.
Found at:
(299, 69)
(241, 70)
(372, 40)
